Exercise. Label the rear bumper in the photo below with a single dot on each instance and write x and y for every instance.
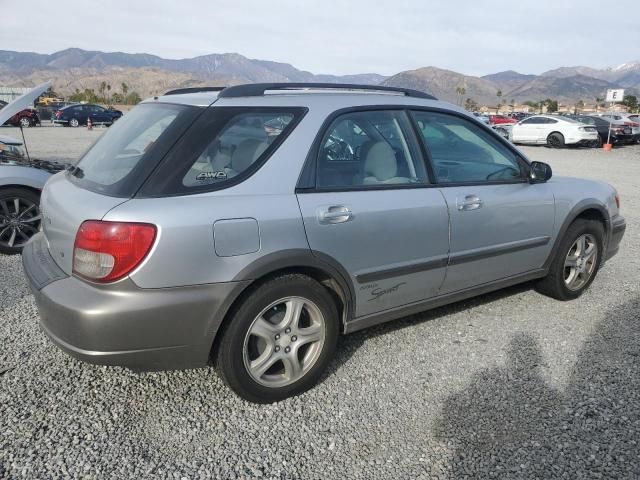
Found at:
(618, 227)
(122, 324)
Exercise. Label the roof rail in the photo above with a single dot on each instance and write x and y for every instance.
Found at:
(180, 91)
(259, 89)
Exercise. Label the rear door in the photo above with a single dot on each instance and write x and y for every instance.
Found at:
(500, 224)
(372, 210)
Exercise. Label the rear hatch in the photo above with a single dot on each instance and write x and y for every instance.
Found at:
(110, 173)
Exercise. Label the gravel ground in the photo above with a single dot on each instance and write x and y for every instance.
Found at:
(507, 385)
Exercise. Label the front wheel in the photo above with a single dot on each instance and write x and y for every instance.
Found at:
(74, 122)
(19, 219)
(576, 262)
(279, 340)
(25, 122)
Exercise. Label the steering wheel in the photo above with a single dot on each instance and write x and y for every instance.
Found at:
(501, 171)
(339, 149)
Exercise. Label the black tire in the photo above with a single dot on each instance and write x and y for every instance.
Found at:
(599, 142)
(555, 140)
(25, 122)
(230, 357)
(27, 197)
(74, 122)
(553, 285)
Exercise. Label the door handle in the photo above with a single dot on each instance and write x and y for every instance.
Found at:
(470, 202)
(334, 214)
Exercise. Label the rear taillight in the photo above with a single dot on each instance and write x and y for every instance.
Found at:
(108, 251)
(617, 201)
(632, 124)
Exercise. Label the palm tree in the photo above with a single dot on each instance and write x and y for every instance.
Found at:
(102, 88)
(598, 102)
(125, 89)
(460, 90)
(499, 95)
(109, 90)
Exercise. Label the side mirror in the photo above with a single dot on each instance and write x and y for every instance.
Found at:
(539, 172)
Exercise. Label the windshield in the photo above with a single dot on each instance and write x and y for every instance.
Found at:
(121, 159)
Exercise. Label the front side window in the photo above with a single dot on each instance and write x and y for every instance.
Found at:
(367, 149)
(462, 152)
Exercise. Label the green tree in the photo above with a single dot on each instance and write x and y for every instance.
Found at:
(499, 95)
(631, 102)
(578, 107)
(124, 88)
(133, 98)
(470, 105)
(552, 105)
(109, 94)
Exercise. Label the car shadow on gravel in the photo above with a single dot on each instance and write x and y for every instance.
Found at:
(349, 344)
(510, 423)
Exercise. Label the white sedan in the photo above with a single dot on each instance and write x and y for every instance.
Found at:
(555, 131)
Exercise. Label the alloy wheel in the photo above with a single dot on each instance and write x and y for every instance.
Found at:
(580, 262)
(19, 221)
(284, 342)
(25, 122)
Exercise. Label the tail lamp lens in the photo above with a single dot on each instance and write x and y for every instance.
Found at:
(108, 251)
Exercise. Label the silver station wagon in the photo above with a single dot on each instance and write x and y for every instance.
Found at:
(250, 226)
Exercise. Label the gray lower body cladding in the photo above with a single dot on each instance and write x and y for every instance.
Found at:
(122, 324)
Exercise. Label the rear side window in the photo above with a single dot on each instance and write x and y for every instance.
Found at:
(239, 145)
(122, 158)
(225, 146)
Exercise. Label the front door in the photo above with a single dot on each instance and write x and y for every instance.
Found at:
(373, 211)
(501, 225)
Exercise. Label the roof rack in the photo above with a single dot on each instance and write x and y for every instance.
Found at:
(259, 89)
(180, 91)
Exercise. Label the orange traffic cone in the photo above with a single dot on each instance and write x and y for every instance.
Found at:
(89, 124)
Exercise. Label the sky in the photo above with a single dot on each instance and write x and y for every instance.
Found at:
(475, 37)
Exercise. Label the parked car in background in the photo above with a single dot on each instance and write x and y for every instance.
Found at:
(519, 115)
(554, 131)
(624, 119)
(25, 118)
(79, 114)
(482, 117)
(616, 134)
(255, 228)
(501, 120)
(21, 181)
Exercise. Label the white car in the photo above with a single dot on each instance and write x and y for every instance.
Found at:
(554, 131)
(626, 119)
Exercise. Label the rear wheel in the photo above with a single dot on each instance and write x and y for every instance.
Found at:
(25, 122)
(576, 262)
(599, 142)
(74, 122)
(555, 140)
(280, 339)
(19, 219)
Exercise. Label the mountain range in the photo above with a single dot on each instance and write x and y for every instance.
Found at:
(147, 74)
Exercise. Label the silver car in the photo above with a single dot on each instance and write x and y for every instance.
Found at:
(253, 226)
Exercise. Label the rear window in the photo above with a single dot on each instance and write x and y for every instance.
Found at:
(120, 161)
(225, 146)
